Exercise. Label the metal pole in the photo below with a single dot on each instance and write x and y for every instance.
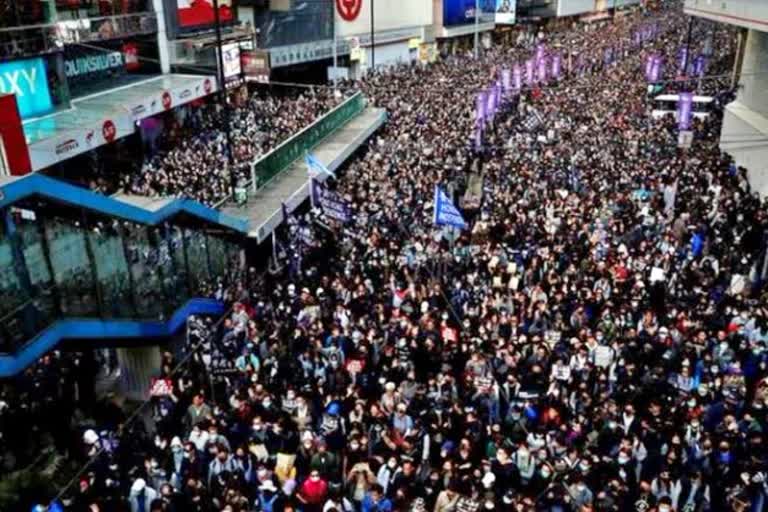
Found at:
(688, 45)
(373, 45)
(335, 51)
(223, 98)
(477, 29)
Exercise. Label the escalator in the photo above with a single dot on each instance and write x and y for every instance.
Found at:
(79, 265)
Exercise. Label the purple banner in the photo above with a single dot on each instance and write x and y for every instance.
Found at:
(683, 60)
(491, 108)
(529, 72)
(581, 65)
(506, 80)
(684, 110)
(637, 38)
(607, 56)
(480, 109)
(498, 91)
(556, 63)
(699, 66)
(517, 74)
(656, 69)
(649, 66)
(541, 76)
(540, 50)
(479, 138)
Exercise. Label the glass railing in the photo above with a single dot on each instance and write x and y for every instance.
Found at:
(57, 264)
(17, 42)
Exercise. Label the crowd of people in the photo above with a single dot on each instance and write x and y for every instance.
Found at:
(595, 340)
(190, 159)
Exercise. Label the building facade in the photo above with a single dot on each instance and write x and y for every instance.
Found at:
(745, 124)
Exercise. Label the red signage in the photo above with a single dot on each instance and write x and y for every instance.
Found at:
(166, 100)
(193, 13)
(349, 10)
(109, 131)
(13, 145)
(131, 56)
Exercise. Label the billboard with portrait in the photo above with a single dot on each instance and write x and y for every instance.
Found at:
(505, 12)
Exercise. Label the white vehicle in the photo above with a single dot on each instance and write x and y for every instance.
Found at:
(665, 104)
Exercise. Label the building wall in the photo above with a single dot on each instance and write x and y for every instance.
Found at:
(751, 14)
(388, 15)
(572, 7)
(745, 125)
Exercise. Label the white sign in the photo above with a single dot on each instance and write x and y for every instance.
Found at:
(166, 99)
(231, 57)
(685, 139)
(69, 143)
(505, 12)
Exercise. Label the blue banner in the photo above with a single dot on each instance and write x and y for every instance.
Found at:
(462, 12)
(28, 81)
(446, 214)
(332, 204)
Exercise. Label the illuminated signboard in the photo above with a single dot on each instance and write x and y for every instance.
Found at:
(27, 80)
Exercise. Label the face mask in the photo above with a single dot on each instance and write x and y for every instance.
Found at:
(663, 508)
(545, 473)
(354, 446)
(623, 459)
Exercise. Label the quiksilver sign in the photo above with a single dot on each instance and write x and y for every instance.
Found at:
(93, 64)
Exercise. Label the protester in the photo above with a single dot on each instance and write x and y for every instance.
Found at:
(595, 339)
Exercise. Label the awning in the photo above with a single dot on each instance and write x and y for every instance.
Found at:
(107, 116)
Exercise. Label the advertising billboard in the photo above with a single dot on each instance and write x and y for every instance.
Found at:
(106, 64)
(27, 80)
(231, 57)
(505, 12)
(462, 12)
(197, 13)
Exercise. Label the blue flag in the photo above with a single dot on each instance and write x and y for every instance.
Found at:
(315, 167)
(446, 213)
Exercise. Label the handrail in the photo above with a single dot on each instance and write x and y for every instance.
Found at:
(38, 184)
(293, 139)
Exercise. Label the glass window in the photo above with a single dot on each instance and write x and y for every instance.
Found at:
(71, 267)
(197, 257)
(217, 253)
(112, 272)
(180, 276)
(147, 278)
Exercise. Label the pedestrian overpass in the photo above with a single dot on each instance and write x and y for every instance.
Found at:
(75, 264)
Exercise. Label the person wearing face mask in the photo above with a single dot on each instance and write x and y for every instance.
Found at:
(313, 492)
(665, 505)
